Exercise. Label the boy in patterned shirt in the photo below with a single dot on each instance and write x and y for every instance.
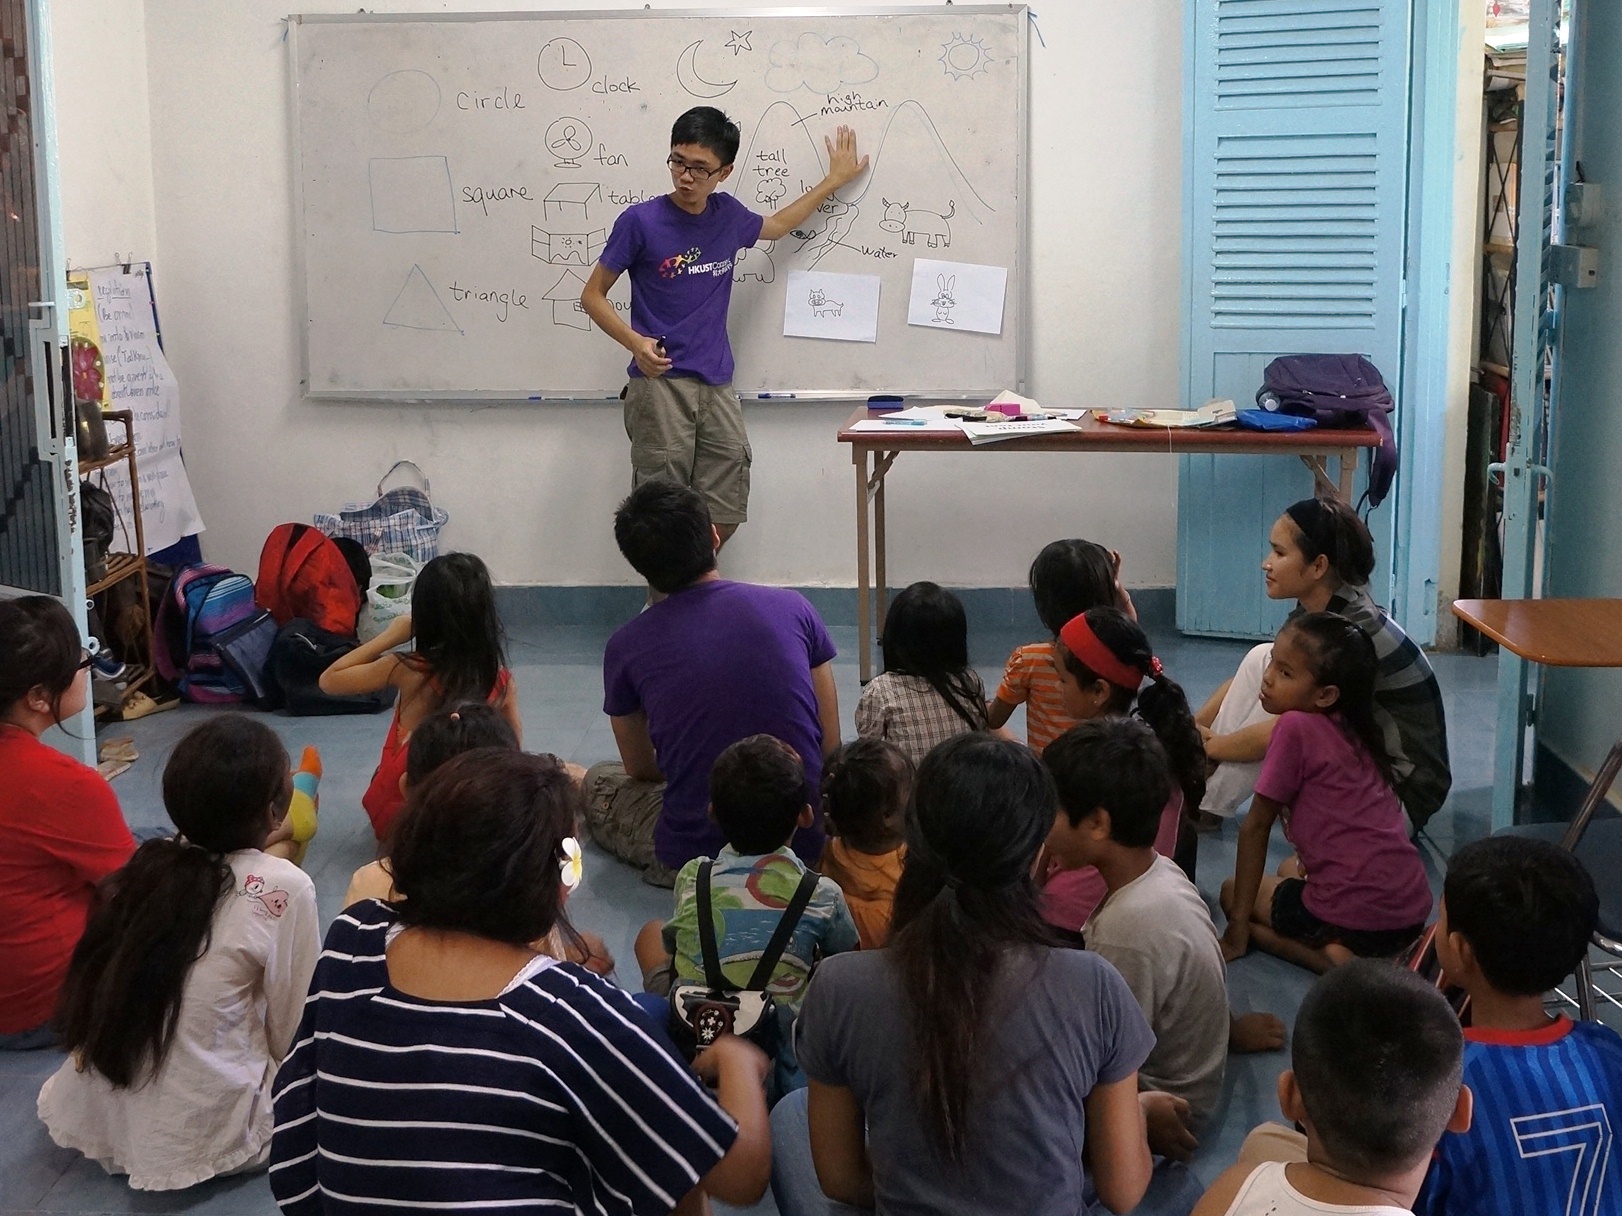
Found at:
(758, 796)
(1517, 915)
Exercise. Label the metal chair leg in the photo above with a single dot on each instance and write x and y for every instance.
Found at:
(1585, 989)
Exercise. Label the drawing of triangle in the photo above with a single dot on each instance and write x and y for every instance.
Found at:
(418, 306)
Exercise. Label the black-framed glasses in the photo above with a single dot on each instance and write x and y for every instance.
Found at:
(701, 173)
(85, 660)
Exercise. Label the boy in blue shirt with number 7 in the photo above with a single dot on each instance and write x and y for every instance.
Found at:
(1517, 915)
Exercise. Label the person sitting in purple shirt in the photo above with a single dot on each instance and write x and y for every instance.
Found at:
(681, 413)
(708, 664)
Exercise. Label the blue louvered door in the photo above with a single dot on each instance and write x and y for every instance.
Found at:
(1295, 215)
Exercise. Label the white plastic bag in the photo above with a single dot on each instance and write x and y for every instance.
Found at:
(389, 596)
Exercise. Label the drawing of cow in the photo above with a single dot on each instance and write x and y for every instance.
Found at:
(912, 223)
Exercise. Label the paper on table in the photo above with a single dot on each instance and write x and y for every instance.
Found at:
(915, 427)
(957, 295)
(991, 432)
(844, 307)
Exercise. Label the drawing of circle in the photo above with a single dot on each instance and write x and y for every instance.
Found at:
(563, 65)
(403, 102)
(568, 137)
(965, 56)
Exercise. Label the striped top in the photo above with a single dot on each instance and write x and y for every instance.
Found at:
(551, 1096)
(1548, 1104)
(1031, 679)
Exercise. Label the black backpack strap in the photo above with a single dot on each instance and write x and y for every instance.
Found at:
(785, 930)
(706, 931)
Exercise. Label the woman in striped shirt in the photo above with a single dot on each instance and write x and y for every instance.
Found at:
(442, 1064)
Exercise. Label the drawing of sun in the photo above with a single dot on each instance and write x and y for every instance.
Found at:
(964, 57)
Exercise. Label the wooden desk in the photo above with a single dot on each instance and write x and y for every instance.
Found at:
(873, 452)
(1555, 633)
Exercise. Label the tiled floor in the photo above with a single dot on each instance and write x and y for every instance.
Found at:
(559, 677)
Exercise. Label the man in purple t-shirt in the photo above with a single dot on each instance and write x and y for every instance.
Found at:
(683, 418)
(711, 663)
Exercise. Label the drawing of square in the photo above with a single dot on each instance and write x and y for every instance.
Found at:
(571, 200)
(412, 194)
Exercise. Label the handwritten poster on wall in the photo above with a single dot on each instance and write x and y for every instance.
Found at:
(137, 378)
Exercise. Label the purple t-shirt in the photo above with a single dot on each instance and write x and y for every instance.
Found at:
(681, 277)
(711, 664)
(1346, 824)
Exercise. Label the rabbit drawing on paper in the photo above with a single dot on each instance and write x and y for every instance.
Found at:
(944, 302)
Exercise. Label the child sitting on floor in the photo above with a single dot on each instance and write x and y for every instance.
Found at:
(443, 735)
(184, 993)
(1104, 659)
(927, 692)
(1067, 578)
(1356, 885)
(459, 656)
(865, 787)
(1517, 915)
(758, 796)
(1375, 1081)
(1113, 781)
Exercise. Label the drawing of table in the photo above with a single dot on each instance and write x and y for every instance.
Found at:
(874, 452)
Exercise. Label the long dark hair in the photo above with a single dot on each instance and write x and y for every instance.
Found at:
(1328, 527)
(478, 846)
(39, 648)
(926, 634)
(981, 808)
(1161, 702)
(1067, 578)
(1341, 654)
(459, 639)
(121, 1002)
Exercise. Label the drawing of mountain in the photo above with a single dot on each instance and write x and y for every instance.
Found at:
(912, 168)
(782, 158)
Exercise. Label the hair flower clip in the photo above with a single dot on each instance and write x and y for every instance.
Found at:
(572, 865)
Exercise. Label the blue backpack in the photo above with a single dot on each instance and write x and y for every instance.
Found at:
(1337, 391)
(211, 637)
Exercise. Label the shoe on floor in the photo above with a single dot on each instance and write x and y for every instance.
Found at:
(659, 875)
(105, 666)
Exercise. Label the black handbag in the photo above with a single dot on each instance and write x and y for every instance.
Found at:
(701, 1013)
(301, 652)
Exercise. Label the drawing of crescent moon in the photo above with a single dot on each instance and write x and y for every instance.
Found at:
(687, 75)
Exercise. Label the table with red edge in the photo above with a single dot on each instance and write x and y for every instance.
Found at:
(875, 452)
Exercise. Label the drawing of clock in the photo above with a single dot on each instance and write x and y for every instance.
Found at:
(563, 65)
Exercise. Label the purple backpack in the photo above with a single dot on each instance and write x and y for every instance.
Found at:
(1337, 390)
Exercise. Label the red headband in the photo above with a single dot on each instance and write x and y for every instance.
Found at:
(1080, 640)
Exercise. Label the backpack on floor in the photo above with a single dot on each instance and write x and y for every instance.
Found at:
(204, 605)
(1337, 391)
(302, 573)
(301, 652)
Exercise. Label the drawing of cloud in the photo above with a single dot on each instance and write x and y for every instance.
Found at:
(821, 65)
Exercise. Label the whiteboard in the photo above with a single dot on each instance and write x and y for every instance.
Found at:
(457, 176)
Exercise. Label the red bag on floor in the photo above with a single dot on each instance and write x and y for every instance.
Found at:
(303, 574)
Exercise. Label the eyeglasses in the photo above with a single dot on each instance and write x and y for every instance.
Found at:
(701, 173)
(85, 660)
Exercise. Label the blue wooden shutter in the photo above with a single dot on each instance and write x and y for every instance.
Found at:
(1297, 115)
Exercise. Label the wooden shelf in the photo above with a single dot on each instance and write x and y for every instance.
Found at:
(120, 566)
(1498, 247)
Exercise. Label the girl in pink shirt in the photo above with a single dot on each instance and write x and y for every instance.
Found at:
(1356, 884)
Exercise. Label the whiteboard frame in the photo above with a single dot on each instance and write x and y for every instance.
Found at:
(1020, 298)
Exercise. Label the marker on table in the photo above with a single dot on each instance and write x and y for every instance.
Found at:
(775, 396)
(904, 421)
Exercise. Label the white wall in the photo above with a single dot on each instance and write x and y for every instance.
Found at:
(532, 488)
(103, 119)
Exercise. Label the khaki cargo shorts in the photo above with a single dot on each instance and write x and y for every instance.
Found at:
(692, 433)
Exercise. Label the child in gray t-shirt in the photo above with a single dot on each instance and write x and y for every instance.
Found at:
(1113, 780)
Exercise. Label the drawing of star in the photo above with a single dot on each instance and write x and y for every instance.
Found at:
(740, 42)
